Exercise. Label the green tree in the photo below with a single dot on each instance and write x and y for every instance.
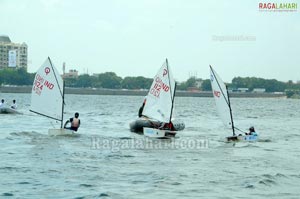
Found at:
(206, 85)
(136, 82)
(110, 80)
(84, 81)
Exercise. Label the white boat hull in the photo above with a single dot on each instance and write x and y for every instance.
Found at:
(61, 132)
(5, 110)
(246, 138)
(158, 133)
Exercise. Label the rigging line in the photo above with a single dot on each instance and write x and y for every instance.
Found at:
(61, 93)
(240, 130)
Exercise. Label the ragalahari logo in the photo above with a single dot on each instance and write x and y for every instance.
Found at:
(277, 7)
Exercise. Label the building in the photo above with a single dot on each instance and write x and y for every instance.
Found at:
(242, 90)
(12, 55)
(71, 74)
(259, 90)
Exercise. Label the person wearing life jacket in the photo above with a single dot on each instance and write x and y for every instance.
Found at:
(251, 131)
(75, 122)
(167, 126)
(14, 105)
(142, 108)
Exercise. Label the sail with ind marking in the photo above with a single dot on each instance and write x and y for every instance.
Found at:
(221, 98)
(47, 92)
(159, 102)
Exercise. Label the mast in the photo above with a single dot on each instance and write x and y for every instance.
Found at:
(61, 92)
(232, 125)
(172, 103)
(172, 95)
(62, 108)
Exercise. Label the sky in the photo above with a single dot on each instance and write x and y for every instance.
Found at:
(134, 37)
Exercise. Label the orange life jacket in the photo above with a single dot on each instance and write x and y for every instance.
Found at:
(75, 122)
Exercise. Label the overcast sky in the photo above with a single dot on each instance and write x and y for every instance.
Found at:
(133, 37)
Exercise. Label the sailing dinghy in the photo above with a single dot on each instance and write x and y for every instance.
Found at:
(47, 96)
(158, 109)
(220, 93)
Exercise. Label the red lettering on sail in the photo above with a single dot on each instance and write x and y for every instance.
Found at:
(49, 85)
(158, 87)
(217, 93)
(38, 84)
(165, 72)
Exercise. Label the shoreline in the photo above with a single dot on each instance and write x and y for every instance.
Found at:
(94, 91)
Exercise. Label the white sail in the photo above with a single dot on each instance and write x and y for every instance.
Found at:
(47, 92)
(160, 97)
(221, 97)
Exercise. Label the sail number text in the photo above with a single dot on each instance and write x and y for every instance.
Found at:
(39, 83)
(155, 90)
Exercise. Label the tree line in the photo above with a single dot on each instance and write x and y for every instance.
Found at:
(110, 80)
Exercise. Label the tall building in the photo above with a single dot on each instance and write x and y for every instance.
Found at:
(12, 54)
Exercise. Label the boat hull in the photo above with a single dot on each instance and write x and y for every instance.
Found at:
(5, 110)
(158, 133)
(246, 138)
(138, 125)
(61, 132)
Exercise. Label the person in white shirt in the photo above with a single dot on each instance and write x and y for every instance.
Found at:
(2, 103)
(14, 105)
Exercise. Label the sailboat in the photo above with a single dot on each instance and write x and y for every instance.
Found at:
(221, 96)
(47, 96)
(158, 109)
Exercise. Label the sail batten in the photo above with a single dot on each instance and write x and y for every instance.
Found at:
(159, 102)
(221, 97)
(46, 94)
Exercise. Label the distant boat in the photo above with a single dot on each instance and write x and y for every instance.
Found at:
(221, 96)
(158, 110)
(47, 96)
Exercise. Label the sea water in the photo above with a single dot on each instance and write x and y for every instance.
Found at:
(106, 160)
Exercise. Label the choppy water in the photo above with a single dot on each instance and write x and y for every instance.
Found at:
(107, 161)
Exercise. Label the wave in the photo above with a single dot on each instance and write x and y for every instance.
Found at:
(267, 182)
(101, 195)
(85, 185)
(7, 194)
(264, 140)
(27, 134)
(270, 179)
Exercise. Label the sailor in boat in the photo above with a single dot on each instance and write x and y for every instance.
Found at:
(14, 105)
(2, 105)
(251, 131)
(142, 108)
(167, 126)
(75, 123)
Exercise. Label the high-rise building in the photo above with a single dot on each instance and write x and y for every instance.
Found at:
(12, 54)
